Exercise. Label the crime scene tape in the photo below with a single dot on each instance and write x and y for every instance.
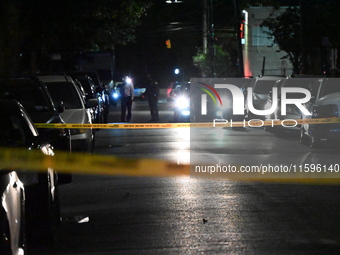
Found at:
(82, 163)
(93, 164)
(215, 123)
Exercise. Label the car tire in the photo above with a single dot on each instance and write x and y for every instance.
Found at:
(5, 238)
(304, 139)
(50, 219)
(44, 212)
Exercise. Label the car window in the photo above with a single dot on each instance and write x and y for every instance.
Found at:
(32, 97)
(87, 85)
(65, 92)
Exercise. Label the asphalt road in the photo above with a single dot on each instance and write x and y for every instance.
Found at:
(182, 215)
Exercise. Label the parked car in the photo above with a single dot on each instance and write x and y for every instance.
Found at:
(323, 104)
(100, 112)
(139, 92)
(34, 96)
(63, 89)
(261, 89)
(30, 207)
(292, 111)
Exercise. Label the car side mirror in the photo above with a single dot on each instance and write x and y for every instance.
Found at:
(93, 102)
(61, 107)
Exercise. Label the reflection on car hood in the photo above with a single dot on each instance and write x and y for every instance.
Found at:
(78, 116)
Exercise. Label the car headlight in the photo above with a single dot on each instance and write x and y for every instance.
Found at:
(182, 102)
(185, 113)
(115, 95)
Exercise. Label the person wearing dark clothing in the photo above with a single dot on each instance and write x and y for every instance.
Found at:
(152, 94)
(127, 92)
(106, 97)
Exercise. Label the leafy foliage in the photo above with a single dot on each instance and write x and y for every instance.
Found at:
(41, 28)
(285, 31)
(213, 66)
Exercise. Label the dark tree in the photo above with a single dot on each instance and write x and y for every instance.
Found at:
(38, 29)
(285, 31)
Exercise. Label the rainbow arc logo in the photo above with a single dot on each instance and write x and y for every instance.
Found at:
(209, 93)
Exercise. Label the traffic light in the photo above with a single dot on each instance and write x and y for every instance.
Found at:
(168, 44)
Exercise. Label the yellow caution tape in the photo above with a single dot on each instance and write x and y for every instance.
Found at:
(81, 163)
(114, 126)
(216, 123)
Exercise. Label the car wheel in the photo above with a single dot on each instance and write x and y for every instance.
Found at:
(44, 212)
(51, 213)
(303, 137)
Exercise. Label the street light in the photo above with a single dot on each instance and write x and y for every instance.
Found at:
(180, 72)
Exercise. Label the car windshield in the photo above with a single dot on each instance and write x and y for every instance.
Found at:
(64, 92)
(34, 98)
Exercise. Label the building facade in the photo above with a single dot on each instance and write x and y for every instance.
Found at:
(260, 55)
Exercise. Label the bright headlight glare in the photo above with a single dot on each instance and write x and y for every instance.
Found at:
(182, 102)
(185, 112)
(115, 95)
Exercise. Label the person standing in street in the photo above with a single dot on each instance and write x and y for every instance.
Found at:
(152, 94)
(127, 92)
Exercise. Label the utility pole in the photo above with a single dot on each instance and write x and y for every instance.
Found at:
(304, 67)
(205, 27)
(208, 32)
(238, 38)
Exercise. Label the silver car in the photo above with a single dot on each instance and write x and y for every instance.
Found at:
(63, 90)
(29, 208)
